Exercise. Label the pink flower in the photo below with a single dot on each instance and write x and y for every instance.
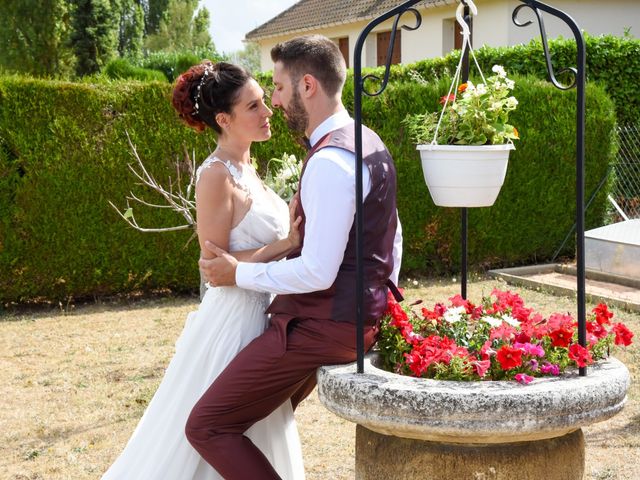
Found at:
(503, 332)
(486, 351)
(522, 378)
(551, 368)
(481, 367)
(559, 321)
(530, 349)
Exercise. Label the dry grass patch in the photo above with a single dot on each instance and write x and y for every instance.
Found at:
(74, 385)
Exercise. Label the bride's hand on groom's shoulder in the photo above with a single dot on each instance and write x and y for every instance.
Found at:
(221, 270)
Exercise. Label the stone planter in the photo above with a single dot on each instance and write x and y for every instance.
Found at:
(410, 428)
(464, 175)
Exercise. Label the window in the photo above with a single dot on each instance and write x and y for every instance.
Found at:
(384, 39)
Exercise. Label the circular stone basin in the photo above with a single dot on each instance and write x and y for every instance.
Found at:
(489, 412)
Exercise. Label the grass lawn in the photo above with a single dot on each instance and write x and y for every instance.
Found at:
(74, 383)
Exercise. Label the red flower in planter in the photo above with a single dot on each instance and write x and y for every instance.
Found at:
(580, 355)
(509, 357)
(623, 334)
(459, 341)
(561, 337)
(597, 329)
(603, 315)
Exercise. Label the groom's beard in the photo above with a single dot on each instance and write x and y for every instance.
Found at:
(297, 116)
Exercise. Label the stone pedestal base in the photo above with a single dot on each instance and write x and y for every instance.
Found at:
(386, 457)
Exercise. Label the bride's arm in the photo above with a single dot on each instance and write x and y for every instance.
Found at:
(278, 249)
(214, 208)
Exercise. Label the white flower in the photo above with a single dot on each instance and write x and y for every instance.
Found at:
(510, 320)
(499, 70)
(512, 102)
(510, 83)
(493, 321)
(454, 314)
(481, 89)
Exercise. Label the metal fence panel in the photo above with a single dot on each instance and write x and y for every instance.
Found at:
(626, 171)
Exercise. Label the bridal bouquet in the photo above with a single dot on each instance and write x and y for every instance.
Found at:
(497, 339)
(283, 178)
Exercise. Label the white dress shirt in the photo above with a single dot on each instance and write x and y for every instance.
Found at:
(328, 197)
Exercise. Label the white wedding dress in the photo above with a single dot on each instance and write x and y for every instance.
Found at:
(227, 319)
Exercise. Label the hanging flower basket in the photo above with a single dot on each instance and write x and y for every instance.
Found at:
(464, 175)
(465, 147)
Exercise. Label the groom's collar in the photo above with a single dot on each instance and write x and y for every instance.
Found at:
(335, 121)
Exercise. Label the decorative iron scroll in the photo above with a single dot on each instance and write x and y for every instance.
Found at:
(392, 42)
(545, 45)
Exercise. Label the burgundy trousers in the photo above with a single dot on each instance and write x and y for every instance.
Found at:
(277, 366)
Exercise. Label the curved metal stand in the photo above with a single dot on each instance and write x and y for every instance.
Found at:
(578, 82)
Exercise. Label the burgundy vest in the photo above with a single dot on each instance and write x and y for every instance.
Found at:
(338, 302)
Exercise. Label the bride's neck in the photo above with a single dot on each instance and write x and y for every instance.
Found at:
(233, 151)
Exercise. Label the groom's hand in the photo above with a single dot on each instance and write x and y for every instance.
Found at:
(221, 270)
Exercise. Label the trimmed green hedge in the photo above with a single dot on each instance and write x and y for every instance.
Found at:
(63, 156)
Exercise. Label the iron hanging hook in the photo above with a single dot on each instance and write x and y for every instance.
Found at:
(466, 31)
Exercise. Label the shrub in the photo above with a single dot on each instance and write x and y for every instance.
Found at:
(120, 69)
(173, 64)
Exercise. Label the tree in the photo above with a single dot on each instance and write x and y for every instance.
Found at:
(180, 29)
(94, 36)
(131, 27)
(154, 14)
(249, 57)
(35, 43)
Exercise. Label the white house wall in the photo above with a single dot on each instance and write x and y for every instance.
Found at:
(595, 17)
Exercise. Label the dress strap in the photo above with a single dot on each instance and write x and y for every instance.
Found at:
(233, 171)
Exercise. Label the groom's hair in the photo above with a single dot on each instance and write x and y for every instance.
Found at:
(315, 55)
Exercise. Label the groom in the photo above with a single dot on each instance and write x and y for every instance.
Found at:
(313, 315)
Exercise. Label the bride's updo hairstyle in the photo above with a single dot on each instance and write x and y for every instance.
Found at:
(207, 89)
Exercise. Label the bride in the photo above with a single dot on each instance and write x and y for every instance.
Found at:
(237, 212)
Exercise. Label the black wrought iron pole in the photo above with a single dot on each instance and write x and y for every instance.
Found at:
(579, 82)
(358, 91)
(464, 213)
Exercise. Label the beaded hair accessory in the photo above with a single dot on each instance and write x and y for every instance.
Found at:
(208, 69)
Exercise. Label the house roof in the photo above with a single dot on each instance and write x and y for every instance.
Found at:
(313, 14)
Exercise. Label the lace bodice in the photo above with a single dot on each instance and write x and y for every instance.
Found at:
(267, 219)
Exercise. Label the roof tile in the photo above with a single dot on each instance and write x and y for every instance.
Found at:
(313, 14)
